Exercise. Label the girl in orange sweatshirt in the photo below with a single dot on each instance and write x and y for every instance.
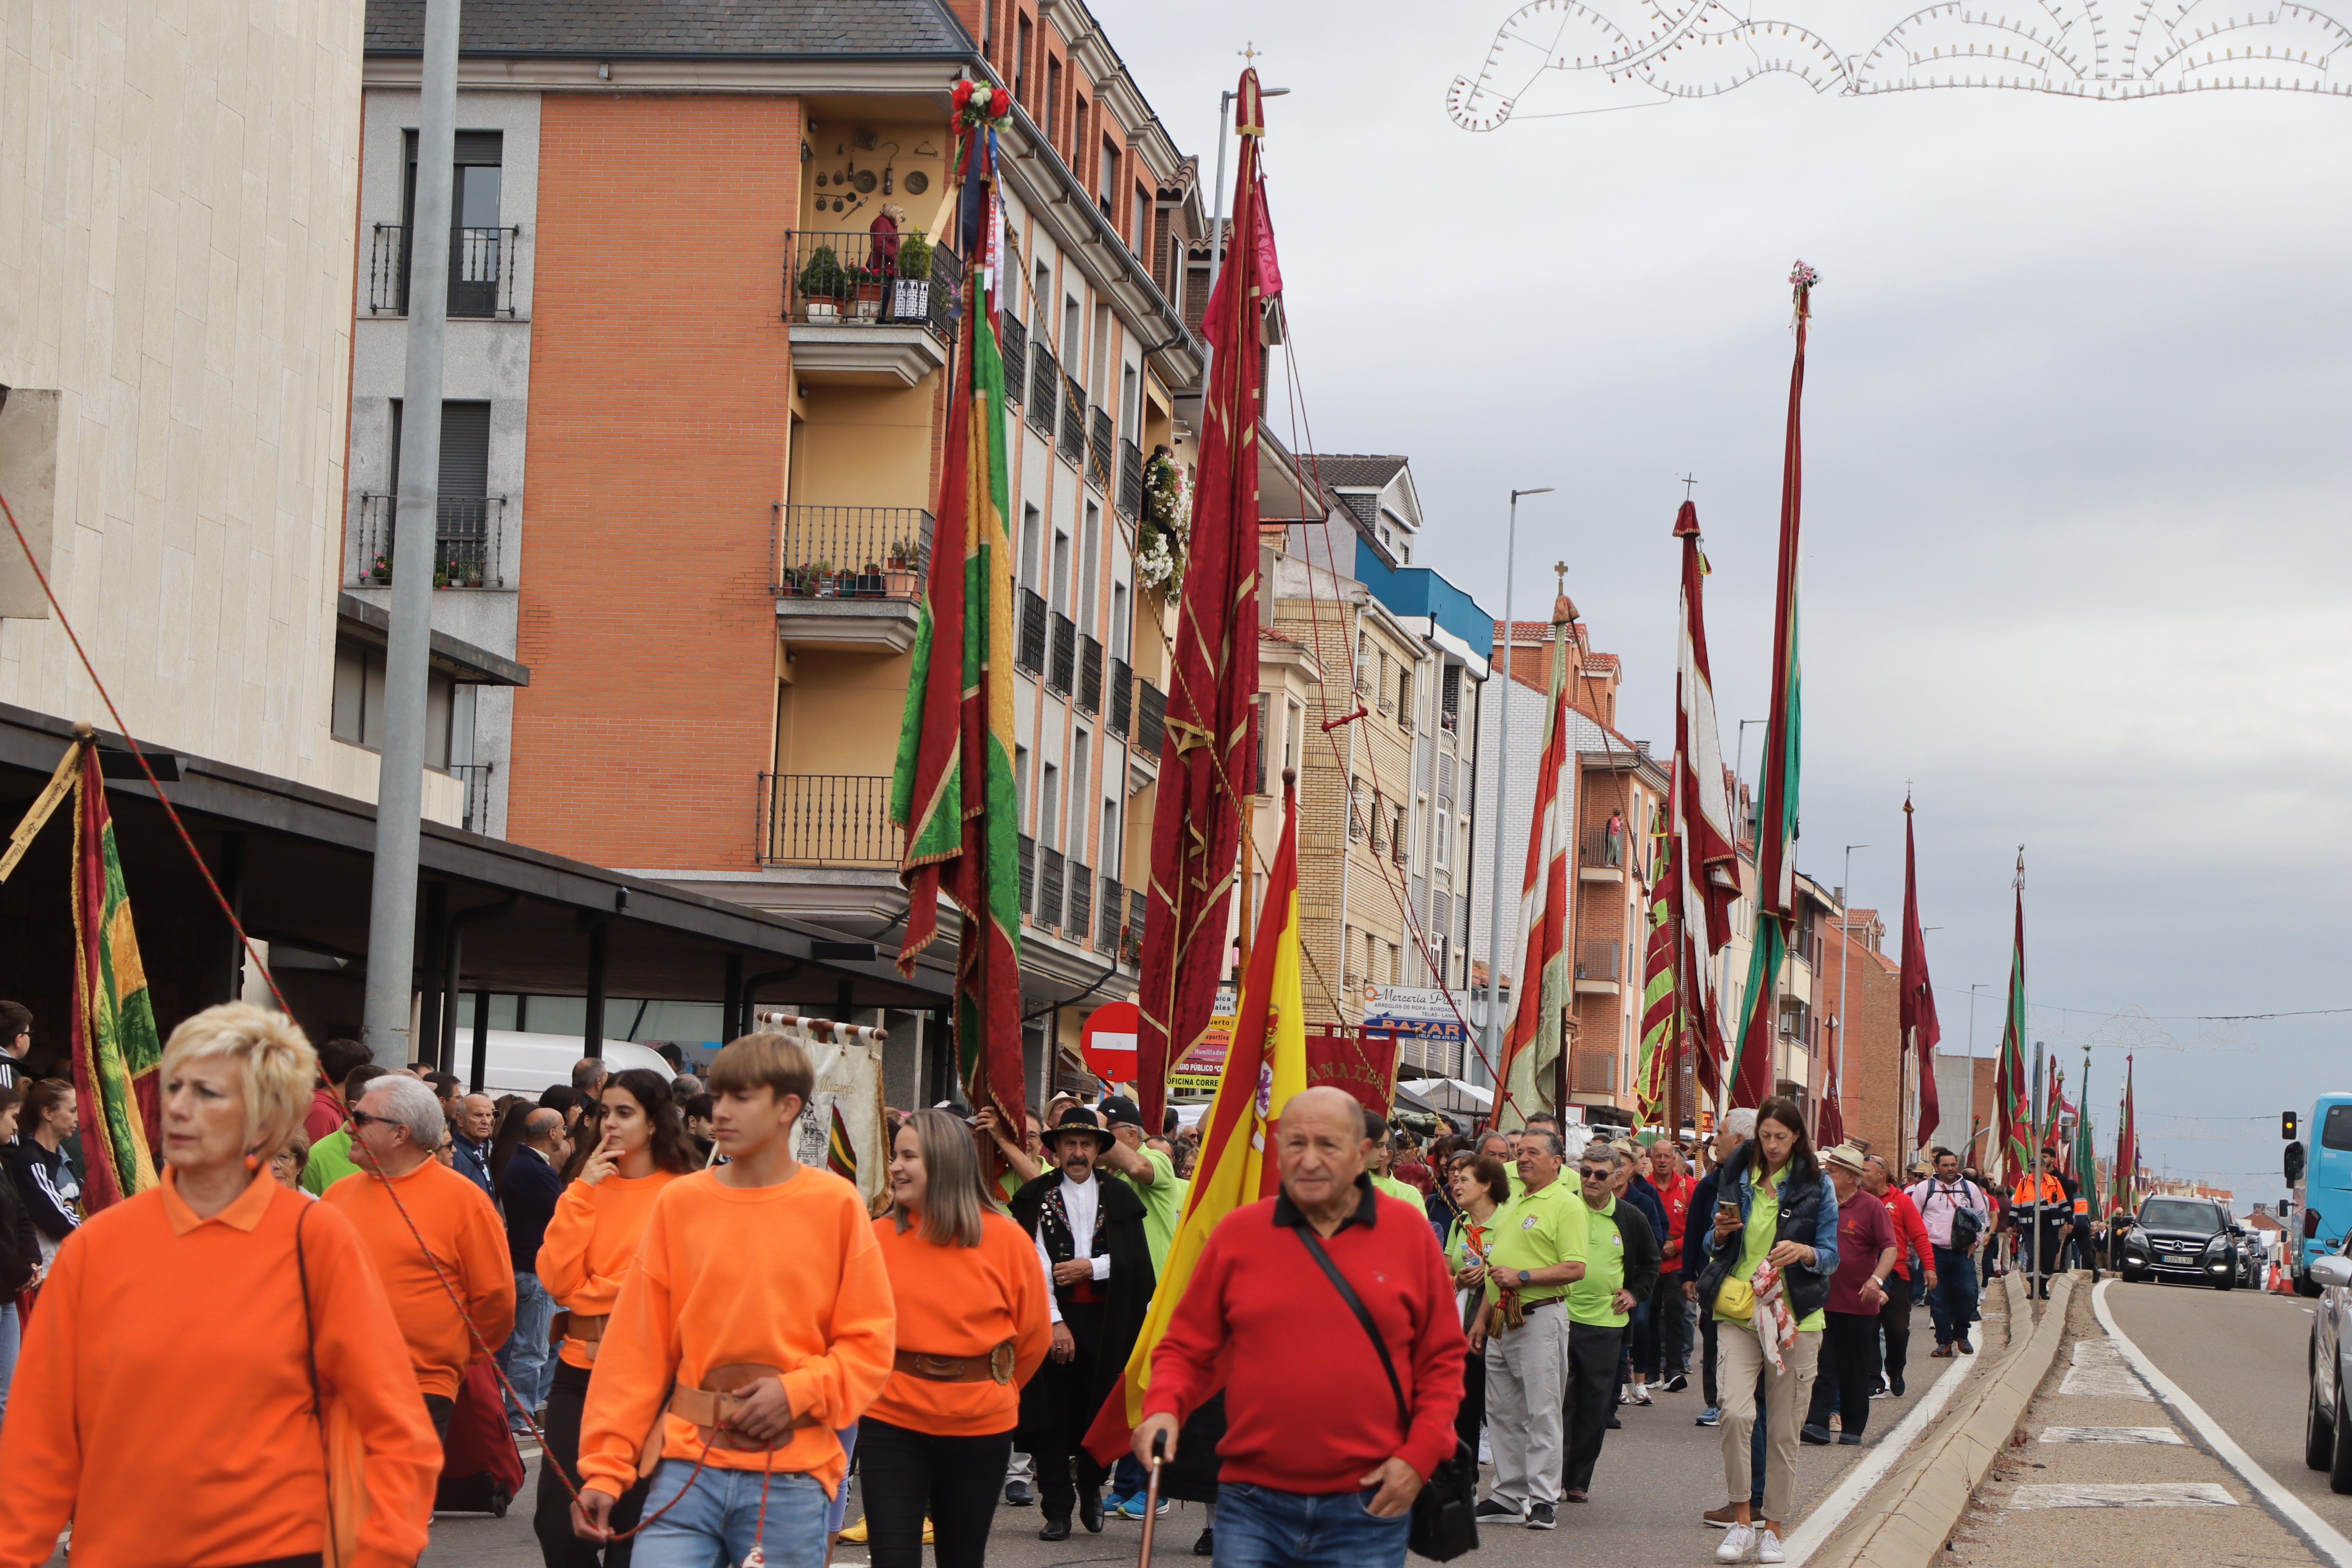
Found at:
(590, 1244)
(973, 1328)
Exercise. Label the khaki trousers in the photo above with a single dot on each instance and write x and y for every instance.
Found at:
(1787, 1394)
(1527, 1381)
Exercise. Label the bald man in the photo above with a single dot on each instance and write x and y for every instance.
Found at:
(531, 1186)
(1336, 1489)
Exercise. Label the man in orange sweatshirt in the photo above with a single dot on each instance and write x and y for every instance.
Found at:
(400, 1193)
(757, 1322)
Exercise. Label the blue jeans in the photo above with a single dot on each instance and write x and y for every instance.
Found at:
(1258, 1527)
(1953, 1302)
(713, 1525)
(526, 1359)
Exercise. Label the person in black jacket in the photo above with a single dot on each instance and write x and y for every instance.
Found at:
(20, 1251)
(1090, 1237)
(45, 1179)
(529, 1193)
(1621, 1270)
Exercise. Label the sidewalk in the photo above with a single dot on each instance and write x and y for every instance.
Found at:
(2102, 1475)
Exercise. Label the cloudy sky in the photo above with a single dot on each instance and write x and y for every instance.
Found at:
(2074, 538)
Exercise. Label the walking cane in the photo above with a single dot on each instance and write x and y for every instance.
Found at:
(1151, 1496)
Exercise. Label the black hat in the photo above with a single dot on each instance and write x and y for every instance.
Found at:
(1079, 1119)
(1120, 1112)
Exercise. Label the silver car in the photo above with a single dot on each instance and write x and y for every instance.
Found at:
(2327, 1419)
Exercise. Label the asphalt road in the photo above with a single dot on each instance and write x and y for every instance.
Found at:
(2241, 1355)
(1654, 1478)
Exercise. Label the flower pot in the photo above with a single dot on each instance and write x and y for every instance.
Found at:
(900, 582)
(823, 312)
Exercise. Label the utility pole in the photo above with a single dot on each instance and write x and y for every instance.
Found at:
(2033, 1161)
(400, 780)
(1502, 814)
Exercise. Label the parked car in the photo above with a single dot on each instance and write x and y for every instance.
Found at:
(2183, 1238)
(2327, 1414)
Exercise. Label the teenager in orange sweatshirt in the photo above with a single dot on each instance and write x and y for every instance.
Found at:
(757, 1322)
(590, 1244)
(401, 1193)
(972, 1329)
(165, 1404)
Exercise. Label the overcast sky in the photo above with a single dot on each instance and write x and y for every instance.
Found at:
(2076, 465)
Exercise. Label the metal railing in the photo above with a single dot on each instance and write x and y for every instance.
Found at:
(851, 551)
(1109, 911)
(862, 279)
(1600, 847)
(1050, 869)
(1090, 666)
(1062, 660)
(1151, 717)
(1598, 960)
(481, 272)
(1102, 438)
(465, 543)
(1595, 1072)
(1029, 637)
(1014, 350)
(1074, 422)
(828, 819)
(1137, 902)
(1045, 388)
(1131, 479)
(1028, 871)
(1122, 697)
(476, 778)
(1081, 917)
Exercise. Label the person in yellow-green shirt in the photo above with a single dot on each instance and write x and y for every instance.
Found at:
(1383, 1156)
(1621, 1270)
(1773, 1205)
(1536, 1252)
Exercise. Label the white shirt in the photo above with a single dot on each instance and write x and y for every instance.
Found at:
(1078, 1201)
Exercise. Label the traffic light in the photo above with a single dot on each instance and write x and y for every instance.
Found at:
(2286, 1125)
(2294, 1156)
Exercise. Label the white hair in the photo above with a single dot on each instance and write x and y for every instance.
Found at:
(412, 1102)
(1740, 1123)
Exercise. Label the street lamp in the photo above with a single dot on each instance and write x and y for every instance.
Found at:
(1845, 918)
(1979, 985)
(1502, 796)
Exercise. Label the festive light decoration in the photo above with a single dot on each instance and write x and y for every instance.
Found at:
(2074, 49)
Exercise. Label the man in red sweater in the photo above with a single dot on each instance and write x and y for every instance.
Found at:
(1335, 1492)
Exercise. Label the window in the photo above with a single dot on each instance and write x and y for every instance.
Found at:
(988, 25)
(1290, 735)
(1142, 237)
(2335, 1132)
(1404, 692)
(475, 237)
(1119, 649)
(1398, 843)
(1108, 849)
(464, 453)
(1020, 782)
(1077, 794)
(1048, 796)
(357, 714)
(1078, 137)
(1089, 567)
(1356, 819)
(1053, 96)
(1444, 838)
(1032, 526)
(1070, 342)
(1109, 187)
(1021, 63)
(1058, 595)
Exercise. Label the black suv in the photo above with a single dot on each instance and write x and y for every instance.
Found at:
(2183, 1238)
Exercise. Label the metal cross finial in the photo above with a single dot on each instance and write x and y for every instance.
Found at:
(1560, 569)
(1688, 480)
(1251, 52)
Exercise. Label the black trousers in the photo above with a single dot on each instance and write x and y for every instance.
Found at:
(908, 1476)
(1895, 1322)
(438, 1409)
(1471, 1413)
(1707, 1358)
(1056, 1409)
(550, 1517)
(1593, 1351)
(1669, 1334)
(1850, 1345)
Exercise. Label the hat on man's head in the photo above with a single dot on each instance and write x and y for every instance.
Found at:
(1079, 1119)
(1847, 1157)
(1118, 1110)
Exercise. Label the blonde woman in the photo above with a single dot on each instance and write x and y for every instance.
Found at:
(203, 1428)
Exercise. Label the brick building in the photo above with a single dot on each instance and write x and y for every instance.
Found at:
(1877, 1090)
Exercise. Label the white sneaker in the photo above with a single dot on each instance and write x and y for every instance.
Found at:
(1767, 1548)
(1737, 1542)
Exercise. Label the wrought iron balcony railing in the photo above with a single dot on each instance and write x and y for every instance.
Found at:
(481, 272)
(851, 551)
(1131, 479)
(466, 540)
(1051, 869)
(1074, 422)
(1090, 669)
(1062, 663)
(476, 778)
(1045, 388)
(1102, 437)
(862, 279)
(1029, 651)
(1081, 917)
(828, 819)
(1151, 717)
(1015, 351)
(1122, 697)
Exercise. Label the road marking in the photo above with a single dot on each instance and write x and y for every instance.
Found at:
(2324, 1537)
(1830, 1512)
(2108, 1435)
(2124, 1494)
(2096, 1371)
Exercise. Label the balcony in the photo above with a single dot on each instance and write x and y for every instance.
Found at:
(1594, 1072)
(465, 543)
(481, 272)
(1122, 697)
(1111, 914)
(828, 819)
(1101, 438)
(1082, 903)
(474, 779)
(1598, 968)
(868, 311)
(1014, 350)
(1131, 481)
(1602, 855)
(1028, 873)
(850, 576)
(1151, 719)
(1029, 635)
(1063, 657)
(1074, 423)
(1045, 388)
(1047, 916)
(1136, 904)
(1090, 669)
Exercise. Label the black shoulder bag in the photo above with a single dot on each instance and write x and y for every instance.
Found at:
(1444, 1524)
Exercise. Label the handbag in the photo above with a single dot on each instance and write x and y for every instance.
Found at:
(1735, 1298)
(1967, 1223)
(1444, 1522)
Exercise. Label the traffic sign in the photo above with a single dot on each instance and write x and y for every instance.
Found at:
(1107, 1042)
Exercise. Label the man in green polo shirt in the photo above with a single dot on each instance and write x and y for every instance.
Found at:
(1538, 1253)
(1152, 1173)
(1620, 1268)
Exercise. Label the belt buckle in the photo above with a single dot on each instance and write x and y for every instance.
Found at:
(1000, 1364)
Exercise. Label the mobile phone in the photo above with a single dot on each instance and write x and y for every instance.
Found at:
(1728, 1206)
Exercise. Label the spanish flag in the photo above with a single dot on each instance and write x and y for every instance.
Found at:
(1265, 1065)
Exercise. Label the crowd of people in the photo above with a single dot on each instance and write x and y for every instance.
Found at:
(704, 1335)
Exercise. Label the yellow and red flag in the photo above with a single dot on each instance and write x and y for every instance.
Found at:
(1265, 1065)
(116, 1050)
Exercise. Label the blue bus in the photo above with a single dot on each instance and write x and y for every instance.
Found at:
(2323, 1194)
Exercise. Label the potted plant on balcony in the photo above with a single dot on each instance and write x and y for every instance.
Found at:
(912, 300)
(899, 581)
(869, 583)
(871, 284)
(380, 571)
(825, 284)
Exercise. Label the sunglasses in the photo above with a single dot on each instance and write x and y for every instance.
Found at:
(361, 1119)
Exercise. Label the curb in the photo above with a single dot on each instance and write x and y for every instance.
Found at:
(1908, 1517)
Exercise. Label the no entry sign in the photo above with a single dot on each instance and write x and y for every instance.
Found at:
(1107, 1042)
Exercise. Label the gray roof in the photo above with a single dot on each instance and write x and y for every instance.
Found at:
(1349, 470)
(636, 28)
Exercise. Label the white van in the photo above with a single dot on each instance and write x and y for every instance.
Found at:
(527, 1063)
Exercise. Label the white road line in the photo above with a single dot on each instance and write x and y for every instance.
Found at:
(2124, 1494)
(2324, 1537)
(2108, 1435)
(1830, 1512)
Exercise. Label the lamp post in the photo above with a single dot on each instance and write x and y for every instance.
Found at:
(1979, 985)
(1845, 905)
(1502, 812)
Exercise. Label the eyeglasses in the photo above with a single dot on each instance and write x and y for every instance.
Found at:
(362, 1117)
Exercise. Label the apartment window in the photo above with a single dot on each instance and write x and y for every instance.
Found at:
(1119, 649)
(1078, 137)
(1049, 795)
(1021, 63)
(1142, 238)
(357, 713)
(1032, 526)
(1444, 838)
(1058, 598)
(1053, 96)
(1020, 783)
(1291, 733)
(988, 25)
(464, 456)
(1070, 340)
(1404, 692)
(1449, 694)
(473, 219)
(1109, 851)
(1356, 818)
(1108, 189)
(1078, 777)
(1126, 411)
(1039, 294)
(1383, 687)
(1397, 841)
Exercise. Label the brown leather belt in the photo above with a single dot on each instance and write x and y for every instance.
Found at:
(588, 1328)
(996, 1366)
(709, 1409)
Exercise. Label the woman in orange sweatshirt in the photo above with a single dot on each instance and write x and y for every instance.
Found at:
(169, 1399)
(590, 1244)
(973, 1328)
